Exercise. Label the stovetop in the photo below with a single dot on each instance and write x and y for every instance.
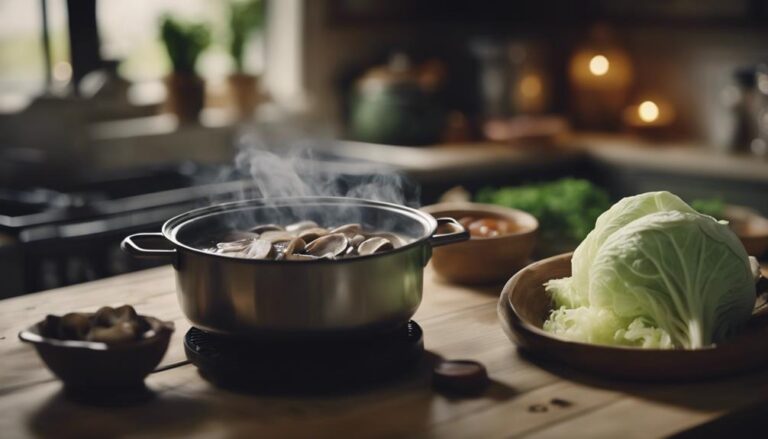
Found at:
(68, 231)
(305, 366)
(104, 195)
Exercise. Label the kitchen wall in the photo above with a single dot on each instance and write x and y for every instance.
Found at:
(692, 68)
(689, 62)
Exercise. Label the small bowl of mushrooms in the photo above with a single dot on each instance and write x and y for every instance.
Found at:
(111, 348)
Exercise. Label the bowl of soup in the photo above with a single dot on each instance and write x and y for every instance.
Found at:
(501, 243)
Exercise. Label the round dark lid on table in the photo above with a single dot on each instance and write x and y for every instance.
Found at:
(460, 376)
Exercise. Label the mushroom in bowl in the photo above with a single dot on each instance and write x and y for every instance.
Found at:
(111, 348)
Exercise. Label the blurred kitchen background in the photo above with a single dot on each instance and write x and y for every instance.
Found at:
(116, 115)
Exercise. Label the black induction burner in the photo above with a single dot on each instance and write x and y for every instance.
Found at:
(305, 366)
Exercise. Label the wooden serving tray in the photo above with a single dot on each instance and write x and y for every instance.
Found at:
(524, 306)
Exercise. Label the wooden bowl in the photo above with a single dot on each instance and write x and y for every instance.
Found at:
(750, 227)
(484, 260)
(524, 305)
(92, 365)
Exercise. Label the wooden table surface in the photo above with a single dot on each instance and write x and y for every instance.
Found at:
(458, 323)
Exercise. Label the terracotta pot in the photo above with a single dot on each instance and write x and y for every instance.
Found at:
(244, 91)
(186, 96)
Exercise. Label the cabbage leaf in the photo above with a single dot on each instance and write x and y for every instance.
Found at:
(654, 273)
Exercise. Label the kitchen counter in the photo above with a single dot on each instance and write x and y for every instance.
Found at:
(458, 322)
(456, 161)
(675, 157)
(439, 162)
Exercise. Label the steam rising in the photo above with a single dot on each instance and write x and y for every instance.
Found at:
(280, 163)
(279, 167)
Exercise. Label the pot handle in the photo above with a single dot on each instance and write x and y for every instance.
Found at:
(132, 248)
(458, 234)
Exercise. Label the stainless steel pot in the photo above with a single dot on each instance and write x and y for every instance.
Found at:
(250, 297)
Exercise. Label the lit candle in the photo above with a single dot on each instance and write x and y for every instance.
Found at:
(600, 79)
(648, 111)
(599, 65)
(600, 69)
(649, 114)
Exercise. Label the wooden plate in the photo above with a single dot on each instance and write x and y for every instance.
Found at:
(524, 305)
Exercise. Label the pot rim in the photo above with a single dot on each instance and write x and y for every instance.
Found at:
(173, 225)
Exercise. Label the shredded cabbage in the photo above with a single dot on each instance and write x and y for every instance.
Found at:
(654, 273)
(588, 324)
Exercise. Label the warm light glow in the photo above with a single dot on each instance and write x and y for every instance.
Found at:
(530, 86)
(648, 111)
(62, 71)
(599, 65)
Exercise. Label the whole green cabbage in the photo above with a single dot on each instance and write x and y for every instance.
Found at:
(654, 273)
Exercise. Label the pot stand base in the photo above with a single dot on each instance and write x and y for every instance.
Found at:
(298, 366)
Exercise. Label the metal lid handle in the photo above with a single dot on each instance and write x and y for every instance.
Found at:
(132, 248)
(458, 233)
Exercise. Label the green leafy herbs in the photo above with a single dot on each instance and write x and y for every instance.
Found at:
(654, 273)
(245, 18)
(714, 207)
(566, 209)
(184, 43)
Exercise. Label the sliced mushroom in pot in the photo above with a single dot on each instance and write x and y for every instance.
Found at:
(305, 240)
(296, 245)
(301, 225)
(333, 244)
(310, 235)
(349, 230)
(356, 240)
(374, 245)
(275, 236)
(259, 249)
(396, 240)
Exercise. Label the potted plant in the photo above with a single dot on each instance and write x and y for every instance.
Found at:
(246, 17)
(184, 43)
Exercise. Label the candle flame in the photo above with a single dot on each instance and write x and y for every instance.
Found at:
(599, 65)
(648, 111)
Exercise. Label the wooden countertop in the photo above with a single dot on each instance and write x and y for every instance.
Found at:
(681, 158)
(458, 323)
(438, 162)
(452, 161)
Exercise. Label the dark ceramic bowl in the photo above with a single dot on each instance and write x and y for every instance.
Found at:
(85, 364)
